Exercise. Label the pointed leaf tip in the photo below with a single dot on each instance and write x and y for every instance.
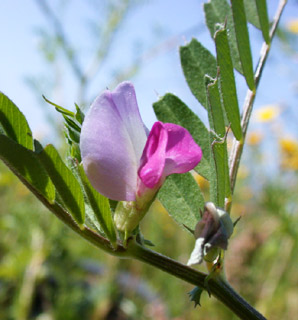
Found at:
(14, 123)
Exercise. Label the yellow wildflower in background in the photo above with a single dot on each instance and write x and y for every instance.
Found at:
(254, 138)
(289, 153)
(267, 113)
(243, 172)
(292, 26)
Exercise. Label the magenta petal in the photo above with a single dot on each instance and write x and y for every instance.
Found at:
(153, 158)
(169, 149)
(112, 141)
(182, 153)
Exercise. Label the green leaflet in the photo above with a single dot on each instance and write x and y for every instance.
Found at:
(196, 62)
(215, 110)
(257, 14)
(100, 206)
(217, 188)
(79, 115)
(218, 12)
(220, 183)
(171, 109)
(25, 165)
(182, 198)
(227, 82)
(65, 182)
(59, 108)
(251, 12)
(72, 122)
(14, 123)
(243, 44)
(263, 17)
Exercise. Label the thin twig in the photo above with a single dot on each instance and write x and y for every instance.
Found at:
(60, 34)
(237, 146)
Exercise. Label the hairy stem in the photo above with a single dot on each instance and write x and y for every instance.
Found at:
(237, 146)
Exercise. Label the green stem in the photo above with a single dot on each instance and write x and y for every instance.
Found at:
(216, 286)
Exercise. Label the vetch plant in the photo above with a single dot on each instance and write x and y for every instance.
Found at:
(117, 168)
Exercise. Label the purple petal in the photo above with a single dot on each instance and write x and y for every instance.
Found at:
(169, 149)
(112, 141)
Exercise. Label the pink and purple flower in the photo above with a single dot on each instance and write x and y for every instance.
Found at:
(121, 160)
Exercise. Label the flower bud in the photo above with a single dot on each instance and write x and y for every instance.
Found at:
(212, 233)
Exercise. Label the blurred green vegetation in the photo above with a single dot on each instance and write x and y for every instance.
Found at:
(48, 272)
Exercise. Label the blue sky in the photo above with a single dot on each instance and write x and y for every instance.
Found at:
(149, 25)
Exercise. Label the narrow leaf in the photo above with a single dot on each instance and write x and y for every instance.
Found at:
(182, 198)
(25, 165)
(196, 62)
(100, 206)
(171, 109)
(71, 123)
(215, 110)
(79, 114)
(219, 185)
(73, 135)
(251, 12)
(65, 182)
(59, 108)
(14, 123)
(242, 38)
(218, 12)
(218, 149)
(227, 82)
(263, 17)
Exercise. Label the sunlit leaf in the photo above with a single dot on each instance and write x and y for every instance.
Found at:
(14, 123)
(182, 198)
(252, 13)
(220, 183)
(25, 164)
(215, 109)
(100, 206)
(171, 109)
(72, 123)
(218, 12)
(65, 182)
(243, 44)
(227, 82)
(79, 114)
(73, 134)
(196, 62)
(263, 17)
